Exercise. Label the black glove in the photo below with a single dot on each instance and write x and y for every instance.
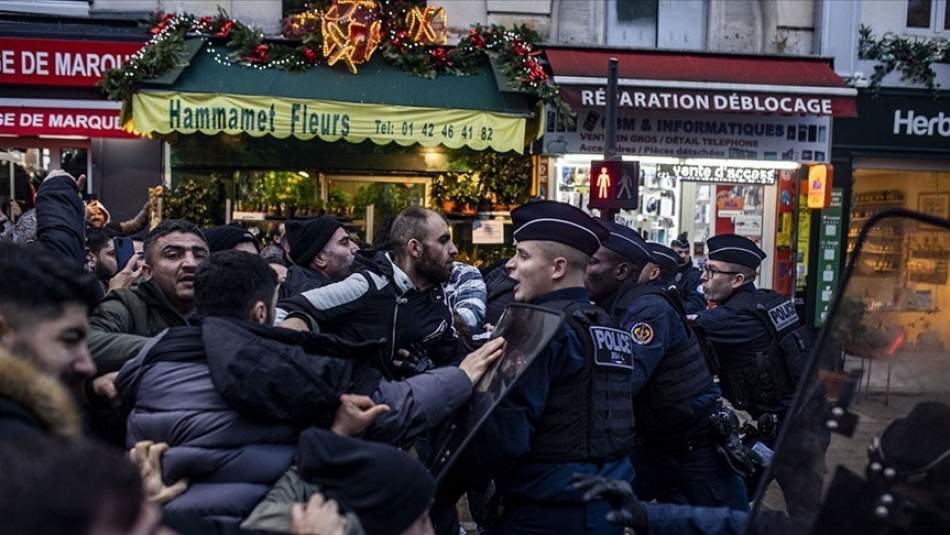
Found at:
(625, 508)
(740, 457)
(412, 361)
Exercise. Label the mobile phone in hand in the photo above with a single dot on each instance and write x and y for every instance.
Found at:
(124, 251)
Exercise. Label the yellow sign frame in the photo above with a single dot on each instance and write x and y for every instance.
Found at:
(164, 112)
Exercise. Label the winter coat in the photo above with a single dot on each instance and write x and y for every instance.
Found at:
(60, 218)
(125, 320)
(33, 403)
(204, 391)
(381, 303)
(300, 279)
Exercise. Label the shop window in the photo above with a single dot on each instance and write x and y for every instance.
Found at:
(371, 203)
(918, 13)
(904, 267)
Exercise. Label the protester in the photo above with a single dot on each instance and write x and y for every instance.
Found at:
(466, 296)
(125, 319)
(98, 216)
(58, 486)
(245, 389)
(227, 237)
(401, 299)
(276, 248)
(322, 253)
(44, 311)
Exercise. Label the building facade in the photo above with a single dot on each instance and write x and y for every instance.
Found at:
(895, 154)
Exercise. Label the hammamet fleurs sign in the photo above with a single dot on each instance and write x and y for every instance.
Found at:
(188, 113)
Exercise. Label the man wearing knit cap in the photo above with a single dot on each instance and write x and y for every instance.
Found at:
(231, 237)
(760, 346)
(676, 455)
(688, 277)
(322, 253)
(570, 412)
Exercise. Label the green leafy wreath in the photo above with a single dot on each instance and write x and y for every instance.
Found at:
(514, 50)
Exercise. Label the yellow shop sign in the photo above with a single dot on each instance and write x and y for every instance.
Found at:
(164, 112)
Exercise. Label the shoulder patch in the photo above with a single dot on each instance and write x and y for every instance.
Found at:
(783, 316)
(642, 333)
(612, 347)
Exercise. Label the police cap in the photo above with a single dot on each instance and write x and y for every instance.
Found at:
(664, 257)
(559, 222)
(735, 250)
(628, 243)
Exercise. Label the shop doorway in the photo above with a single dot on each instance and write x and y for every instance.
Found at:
(371, 202)
(744, 209)
(23, 159)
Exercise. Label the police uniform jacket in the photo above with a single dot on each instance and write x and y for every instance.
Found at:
(689, 283)
(504, 446)
(658, 330)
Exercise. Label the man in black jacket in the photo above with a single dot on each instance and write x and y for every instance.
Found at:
(400, 298)
(322, 253)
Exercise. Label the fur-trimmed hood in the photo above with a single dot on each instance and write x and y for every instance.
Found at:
(42, 396)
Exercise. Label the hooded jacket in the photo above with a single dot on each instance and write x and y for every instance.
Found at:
(209, 393)
(125, 320)
(33, 403)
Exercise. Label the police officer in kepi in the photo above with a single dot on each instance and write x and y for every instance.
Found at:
(688, 278)
(571, 411)
(676, 457)
(760, 346)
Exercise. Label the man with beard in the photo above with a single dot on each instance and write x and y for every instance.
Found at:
(126, 319)
(676, 455)
(44, 317)
(399, 298)
(101, 260)
(322, 253)
(688, 277)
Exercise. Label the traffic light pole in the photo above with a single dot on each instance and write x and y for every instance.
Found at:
(610, 143)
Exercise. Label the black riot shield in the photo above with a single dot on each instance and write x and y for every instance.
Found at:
(865, 447)
(527, 329)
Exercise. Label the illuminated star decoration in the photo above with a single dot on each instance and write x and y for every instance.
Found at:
(427, 25)
(351, 32)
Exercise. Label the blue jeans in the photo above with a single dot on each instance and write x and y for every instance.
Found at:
(700, 477)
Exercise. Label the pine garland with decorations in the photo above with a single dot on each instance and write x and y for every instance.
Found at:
(913, 57)
(412, 39)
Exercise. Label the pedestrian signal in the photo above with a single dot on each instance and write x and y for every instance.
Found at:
(614, 184)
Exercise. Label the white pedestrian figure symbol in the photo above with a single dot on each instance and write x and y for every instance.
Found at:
(603, 183)
(626, 184)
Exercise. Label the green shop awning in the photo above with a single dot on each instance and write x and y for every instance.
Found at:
(380, 103)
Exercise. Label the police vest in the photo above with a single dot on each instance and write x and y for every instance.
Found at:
(589, 418)
(762, 381)
(683, 373)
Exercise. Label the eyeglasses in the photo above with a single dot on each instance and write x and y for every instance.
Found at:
(708, 270)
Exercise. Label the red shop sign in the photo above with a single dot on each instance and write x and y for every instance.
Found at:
(60, 62)
(61, 122)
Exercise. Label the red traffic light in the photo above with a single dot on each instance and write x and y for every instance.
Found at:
(614, 184)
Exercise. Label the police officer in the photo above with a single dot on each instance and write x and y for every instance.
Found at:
(688, 278)
(760, 347)
(570, 412)
(675, 459)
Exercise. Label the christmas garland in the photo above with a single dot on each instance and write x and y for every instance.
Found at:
(403, 45)
(912, 57)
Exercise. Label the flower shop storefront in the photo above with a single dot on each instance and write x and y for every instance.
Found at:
(288, 132)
